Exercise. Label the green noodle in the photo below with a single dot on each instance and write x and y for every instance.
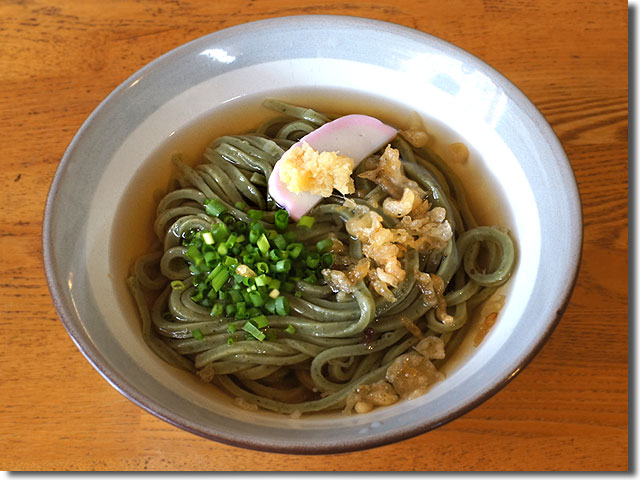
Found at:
(315, 367)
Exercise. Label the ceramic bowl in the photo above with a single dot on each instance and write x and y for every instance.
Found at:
(100, 206)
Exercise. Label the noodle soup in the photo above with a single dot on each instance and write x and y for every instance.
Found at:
(313, 319)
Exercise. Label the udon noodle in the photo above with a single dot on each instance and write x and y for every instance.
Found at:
(339, 337)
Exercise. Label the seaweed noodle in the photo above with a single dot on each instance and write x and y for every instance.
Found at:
(328, 355)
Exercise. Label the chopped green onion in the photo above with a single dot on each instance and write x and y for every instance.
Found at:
(227, 218)
(214, 207)
(282, 305)
(210, 257)
(311, 278)
(197, 334)
(220, 232)
(326, 260)
(230, 262)
(217, 310)
(249, 259)
(219, 280)
(194, 254)
(280, 242)
(260, 321)
(177, 285)
(207, 238)
(283, 265)
(270, 306)
(273, 258)
(241, 307)
(324, 245)
(275, 255)
(235, 296)
(313, 260)
(263, 244)
(218, 268)
(290, 329)
(231, 328)
(281, 219)
(230, 341)
(295, 249)
(231, 240)
(306, 221)
(255, 214)
(256, 299)
(252, 330)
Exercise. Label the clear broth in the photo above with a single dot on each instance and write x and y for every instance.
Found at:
(133, 235)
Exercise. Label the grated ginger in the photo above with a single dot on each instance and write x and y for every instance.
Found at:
(303, 169)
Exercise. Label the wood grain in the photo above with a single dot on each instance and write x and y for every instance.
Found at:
(568, 410)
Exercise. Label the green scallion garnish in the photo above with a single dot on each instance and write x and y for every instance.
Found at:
(252, 330)
(214, 207)
(281, 219)
(306, 221)
(283, 266)
(325, 245)
(260, 321)
(255, 214)
(326, 260)
(245, 270)
(282, 305)
(207, 238)
(197, 334)
(263, 244)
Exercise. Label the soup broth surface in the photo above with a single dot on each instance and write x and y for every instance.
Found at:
(133, 236)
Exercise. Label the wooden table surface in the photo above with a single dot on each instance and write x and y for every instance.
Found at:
(568, 410)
